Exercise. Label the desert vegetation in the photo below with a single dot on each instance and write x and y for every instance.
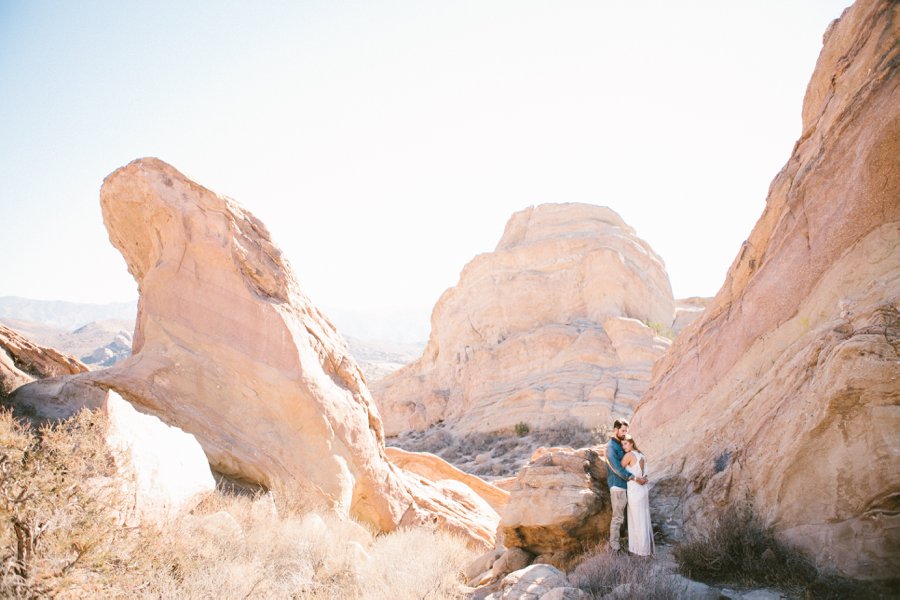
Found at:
(739, 550)
(61, 535)
(498, 453)
(625, 576)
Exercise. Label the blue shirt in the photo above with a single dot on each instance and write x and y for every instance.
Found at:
(616, 475)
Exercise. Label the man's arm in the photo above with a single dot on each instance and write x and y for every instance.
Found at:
(614, 460)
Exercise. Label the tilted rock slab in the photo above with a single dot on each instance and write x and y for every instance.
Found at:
(228, 348)
(787, 388)
(23, 361)
(551, 324)
(437, 469)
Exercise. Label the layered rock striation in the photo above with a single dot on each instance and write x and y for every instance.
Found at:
(552, 324)
(787, 389)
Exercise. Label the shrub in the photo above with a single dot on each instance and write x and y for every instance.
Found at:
(569, 432)
(740, 550)
(660, 329)
(640, 578)
(522, 429)
(58, 519)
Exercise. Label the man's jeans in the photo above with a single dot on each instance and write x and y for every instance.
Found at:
(619, 499)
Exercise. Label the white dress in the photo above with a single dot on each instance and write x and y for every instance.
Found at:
(640, 531)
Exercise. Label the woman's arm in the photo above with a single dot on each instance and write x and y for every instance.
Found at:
(627, 459)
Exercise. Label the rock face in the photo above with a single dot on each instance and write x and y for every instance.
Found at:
(22, 361)
(550, 325)
(787, 389)
(228, 348)
(558, 504)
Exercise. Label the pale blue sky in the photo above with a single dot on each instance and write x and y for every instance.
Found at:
(385, 144)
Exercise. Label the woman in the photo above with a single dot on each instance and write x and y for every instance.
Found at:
(640, 532)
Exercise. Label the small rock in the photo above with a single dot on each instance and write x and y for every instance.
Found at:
(566, 593)
(477, 567)
(688, 588)
(530, 583)
(512, 560)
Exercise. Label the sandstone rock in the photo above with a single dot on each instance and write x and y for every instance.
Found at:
(560, 503)
(511, 560)
(228, 348)
(688, 588)
(437, 469)
(530, 583)
(452, 506)
(566, 593)
(22, 361)
(547, 326)
(482, 565)
(787, 389)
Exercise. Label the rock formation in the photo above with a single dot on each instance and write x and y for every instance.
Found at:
(558, 504)
(550, 325)
(437, 469)
(22, 361)
(228, 348)
(787, 389)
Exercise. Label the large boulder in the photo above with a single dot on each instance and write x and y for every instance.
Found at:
(228, 348)
(23, 361)
(559, 504)
(557, 322)
(787, 389)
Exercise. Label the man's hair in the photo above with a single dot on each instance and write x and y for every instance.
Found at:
(619, 423)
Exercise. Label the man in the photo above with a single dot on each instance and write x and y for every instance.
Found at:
(617, 479)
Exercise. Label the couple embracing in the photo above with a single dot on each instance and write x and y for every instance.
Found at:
(627, 479)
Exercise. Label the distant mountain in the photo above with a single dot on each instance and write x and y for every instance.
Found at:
(64, 315)
(98, 344)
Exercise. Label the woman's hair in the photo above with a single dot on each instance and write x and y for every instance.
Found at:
(628, 438)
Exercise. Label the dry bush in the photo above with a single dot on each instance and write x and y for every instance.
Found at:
(569, 432)
(740, 550)
(635, 577)
(245, 549)
(509, 450)
(59, 527)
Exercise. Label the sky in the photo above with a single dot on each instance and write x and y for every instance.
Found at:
(386, 143)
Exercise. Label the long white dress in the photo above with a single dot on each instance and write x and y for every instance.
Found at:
(640, 531)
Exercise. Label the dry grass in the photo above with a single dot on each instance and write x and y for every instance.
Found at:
(231, 546)
(508, 451)
(741, 551)
(630, 576)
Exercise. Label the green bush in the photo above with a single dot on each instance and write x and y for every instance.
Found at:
(522, 429)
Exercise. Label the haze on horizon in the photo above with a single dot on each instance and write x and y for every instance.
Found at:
(384, 145)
